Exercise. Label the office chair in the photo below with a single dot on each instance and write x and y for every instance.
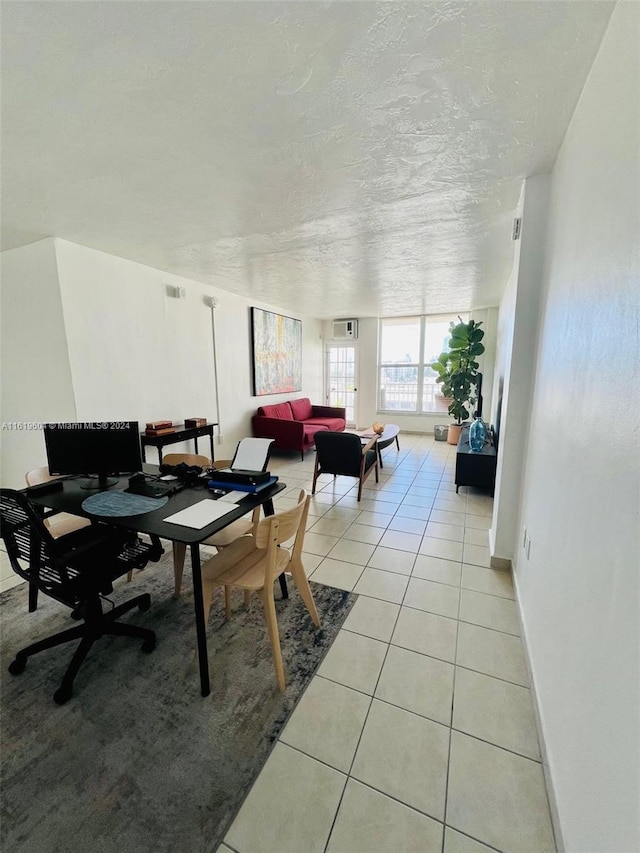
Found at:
(342, 453)
(77, 570)
(254, 562)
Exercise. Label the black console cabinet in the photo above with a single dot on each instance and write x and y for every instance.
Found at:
(475, 468)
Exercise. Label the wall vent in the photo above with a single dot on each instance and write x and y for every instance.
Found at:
(344, 330)
(517, 227)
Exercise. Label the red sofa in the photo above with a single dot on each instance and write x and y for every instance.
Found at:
(294, 424)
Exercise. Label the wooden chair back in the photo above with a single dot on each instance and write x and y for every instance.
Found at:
(187, 458)
(277, 529)
(38, 475)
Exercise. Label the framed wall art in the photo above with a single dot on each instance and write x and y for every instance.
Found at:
(277, 353)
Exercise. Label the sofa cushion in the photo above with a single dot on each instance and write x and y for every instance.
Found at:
(335, 424)
(301, 408)
(278, 410)
(310, 430)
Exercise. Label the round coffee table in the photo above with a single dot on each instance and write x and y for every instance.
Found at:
(390, 434)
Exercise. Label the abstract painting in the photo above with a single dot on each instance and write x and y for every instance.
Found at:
(277, 353)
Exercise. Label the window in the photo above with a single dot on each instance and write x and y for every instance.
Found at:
(407, 346)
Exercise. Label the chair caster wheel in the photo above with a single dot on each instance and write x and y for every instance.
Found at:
(62, 695)
(17, 666)
(145, 604)
(149, 645)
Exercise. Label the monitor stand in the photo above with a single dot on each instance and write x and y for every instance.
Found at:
(98, 482)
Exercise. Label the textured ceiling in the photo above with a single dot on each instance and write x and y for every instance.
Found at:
(332, 159)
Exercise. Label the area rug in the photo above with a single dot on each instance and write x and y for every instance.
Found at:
(138, 760)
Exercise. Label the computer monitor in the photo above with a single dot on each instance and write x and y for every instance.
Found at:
(95, 449)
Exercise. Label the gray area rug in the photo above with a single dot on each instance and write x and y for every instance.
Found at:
(138, 760)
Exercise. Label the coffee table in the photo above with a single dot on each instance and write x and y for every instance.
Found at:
(390, 434)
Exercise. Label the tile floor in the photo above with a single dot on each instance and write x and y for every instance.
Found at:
(417, 732)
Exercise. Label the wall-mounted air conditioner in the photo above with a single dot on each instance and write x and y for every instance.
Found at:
(344, 330)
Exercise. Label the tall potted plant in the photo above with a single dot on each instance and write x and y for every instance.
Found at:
(457, 372)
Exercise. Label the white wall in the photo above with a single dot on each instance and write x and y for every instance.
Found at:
(132, 352)
(518, 328)
(36, 375)
(367, 349)
(579, 591)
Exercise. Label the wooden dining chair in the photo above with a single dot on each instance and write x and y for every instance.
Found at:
(219, 540)
(186, 459)
(253, 563)
(60, 523)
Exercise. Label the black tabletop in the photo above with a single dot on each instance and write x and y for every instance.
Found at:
(70, 498)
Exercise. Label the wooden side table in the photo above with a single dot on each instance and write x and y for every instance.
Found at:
(181, 434)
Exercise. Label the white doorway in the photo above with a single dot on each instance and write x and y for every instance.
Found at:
(342, 379)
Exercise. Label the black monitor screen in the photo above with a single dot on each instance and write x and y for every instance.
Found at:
(93, 448)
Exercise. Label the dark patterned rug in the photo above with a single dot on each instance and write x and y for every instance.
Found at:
(138, 760)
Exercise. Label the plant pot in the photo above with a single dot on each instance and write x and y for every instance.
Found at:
(453, 435)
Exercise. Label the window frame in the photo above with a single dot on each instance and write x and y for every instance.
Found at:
(424, 320)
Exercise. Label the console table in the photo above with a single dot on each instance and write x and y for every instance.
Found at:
(180, 434)
(475, 468)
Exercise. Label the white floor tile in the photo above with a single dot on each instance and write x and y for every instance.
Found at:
(417, 683)
(434, 597)
(338, 574)
(372, 618)
(408, 525)
(491, 652)
(355, 661)
(445, 531)
(369, 821)
(444, 516)
(476, 537)
(350, 551)
(489, 581)
(327, 723)
(310, 562)
(401, 541)
(442, 548)
(316, 543)
(364, 533)
(490, 611)
(455, 842)
(291, 806)
(437, 569)
(496, 711)
(426, 633)
(376, 583)
(405, 756)
(330, 526)
(391, 560)
(408, 511)
(10, 581)
(375, 519)
(497, 797)
(476, 555)
(477, 522)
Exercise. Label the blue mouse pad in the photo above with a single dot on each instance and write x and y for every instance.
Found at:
(121, 503)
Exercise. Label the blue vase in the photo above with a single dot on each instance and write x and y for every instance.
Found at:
(477, 435)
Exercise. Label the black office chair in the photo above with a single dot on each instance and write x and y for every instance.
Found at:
(77, 570)
(342, 453)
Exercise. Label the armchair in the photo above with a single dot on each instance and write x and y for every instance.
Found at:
(342, 453)
(77, 570)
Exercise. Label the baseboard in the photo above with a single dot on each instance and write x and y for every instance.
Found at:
(501, 563)
(553, 805)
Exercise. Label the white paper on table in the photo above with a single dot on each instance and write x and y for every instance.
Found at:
(252, 453)
(234, 497)
(201, 514)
